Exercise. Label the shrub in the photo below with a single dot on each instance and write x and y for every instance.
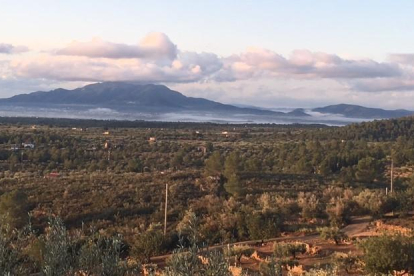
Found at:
(385, 254)
(283, 249)
(332, 234)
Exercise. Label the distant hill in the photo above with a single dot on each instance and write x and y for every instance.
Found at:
(300, 112)
(356, 111)
(132, 96)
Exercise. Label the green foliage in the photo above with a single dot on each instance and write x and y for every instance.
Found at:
(272, 268)
(348, 262)
(386, 253)
(238, 251)
(189, 262)
(97, 255)
(263, 225)
(280, 178)
(12, 262)
(134, 165)
(14, 208)
(373, 202)
(194, 260)
(234, 186)
(339, 212)
(101, 256)
(329, 271)
(58, 255)
(232, 165)
(214, 164)
(367, 170)
(148, 244)
(311, 205)
(332, 234)
(283, 249)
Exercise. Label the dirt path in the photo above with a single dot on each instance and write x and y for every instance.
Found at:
(358, 227)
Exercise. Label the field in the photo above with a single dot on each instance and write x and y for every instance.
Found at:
(245, 185)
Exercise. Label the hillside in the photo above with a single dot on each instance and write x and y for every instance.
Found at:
(131, 96)
(356, 111)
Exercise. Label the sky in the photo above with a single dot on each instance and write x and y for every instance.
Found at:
(261, 53)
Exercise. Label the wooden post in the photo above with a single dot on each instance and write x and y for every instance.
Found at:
(166, 206)
(392, 176)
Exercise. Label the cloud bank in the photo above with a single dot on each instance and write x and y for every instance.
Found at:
(155, 58)
(256, 62)
(152, 46)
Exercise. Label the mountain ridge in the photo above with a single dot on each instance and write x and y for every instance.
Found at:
(155, 98)
(124, 95)
(358, 111)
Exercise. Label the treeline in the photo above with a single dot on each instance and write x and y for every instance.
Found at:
(86, 123)
(378, 131)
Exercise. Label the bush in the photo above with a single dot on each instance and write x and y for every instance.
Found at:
(283, 250)
(332, 233)
(385, 254)
(238, 251)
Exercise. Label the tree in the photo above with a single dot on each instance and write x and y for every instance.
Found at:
(329, 271)
(310, 204)
(14, 207)
(214, 164)
(12, 262)
(348, 262)
(283, 249)
(367, 170)
(338, 212)
(325, 168)
(373, 202)
(272, 268)
(134, 165)
(238, 251)
(148, 244)
(193, 260)
(234, 186)
(386, 254)
(263, 225)
(332, 233)
(102, 256)
(58, 255)
(304, 166)
(232, 165)
(253, 165)
(178, 159)
(209, 147)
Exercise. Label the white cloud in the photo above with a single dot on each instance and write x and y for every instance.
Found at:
(152, 46)
(12, 49)
(402, 58)
(188, 67)
(256, 62)
(154, 59)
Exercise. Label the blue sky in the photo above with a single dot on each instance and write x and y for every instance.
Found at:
(371, 31)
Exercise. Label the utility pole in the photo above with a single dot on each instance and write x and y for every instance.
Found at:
(392, 176)
(166, 206)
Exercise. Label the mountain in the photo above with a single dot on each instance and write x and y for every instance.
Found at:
(299, 112)
(128, 96)
(356, 111)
